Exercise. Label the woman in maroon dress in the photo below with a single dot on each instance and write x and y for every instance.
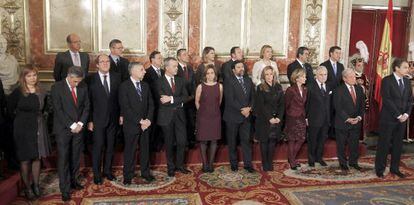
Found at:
(208, 99)
(295, 99)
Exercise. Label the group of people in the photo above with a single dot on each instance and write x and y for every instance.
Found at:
(174, 103)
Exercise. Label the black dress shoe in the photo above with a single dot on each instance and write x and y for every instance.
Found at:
(183, 170)
(65, 196)
(298, 165)
(171, 173)
(36, 190)
(127, 182)
(97, 180)
(234, 168)
(356, 166)
(250, 169)
(344, 167)
(323, 163)
(28, 194)
(294, 168)
(76, 186)
(210, 169)
(148, 178)
(110, 177)
(311, 164)
(399, 174)
(380, 175)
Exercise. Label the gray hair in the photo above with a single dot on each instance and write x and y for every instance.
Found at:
(131, 65)
(347, 71)
(320, 68)
(167, 61)
(75, 71)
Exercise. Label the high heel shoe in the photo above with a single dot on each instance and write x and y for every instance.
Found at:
(28, 194)
(36, 190)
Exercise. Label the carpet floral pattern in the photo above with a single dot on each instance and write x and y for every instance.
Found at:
(281, 186)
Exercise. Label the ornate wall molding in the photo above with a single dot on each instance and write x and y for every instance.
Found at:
(173, 26)
(313, 29)
(344, 29)
(14, 27)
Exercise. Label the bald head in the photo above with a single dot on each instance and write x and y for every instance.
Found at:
(74, 42)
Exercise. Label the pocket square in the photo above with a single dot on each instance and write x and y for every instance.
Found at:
(330, 92)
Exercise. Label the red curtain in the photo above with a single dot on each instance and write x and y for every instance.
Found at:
(368, 25)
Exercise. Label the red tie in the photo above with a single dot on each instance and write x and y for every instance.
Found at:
(75, 98)
(353, 94)
(172, 85)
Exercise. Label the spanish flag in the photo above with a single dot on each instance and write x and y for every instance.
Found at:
(384, 56)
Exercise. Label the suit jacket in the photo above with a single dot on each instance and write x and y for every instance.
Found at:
(266, 105)
(294, 102)
(227, 72)
(318, 105)
(190, 82)
(345, 107)
(2, 104)
(166, 111)
(64, 60)
(235, 98)
(334, 81)
(151, 78)
(121, 68)
(310, 77)
(65, 111)
(104, 109)
(394, 103)
(133, 108)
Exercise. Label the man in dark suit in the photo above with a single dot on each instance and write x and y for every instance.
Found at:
(138, 108)
(349, 103)
(119, 64)
(71, 111)
(334, 67)
(318, 116)
(104, 118)
(236, 53)
(238, 92)
(396, 93)
(71, 57)
(186, 72)
(173, 94)
(301, 62)
(153, 73)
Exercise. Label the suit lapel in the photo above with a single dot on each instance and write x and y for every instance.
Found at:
(69, 57)
(395, 84)
(68, 94)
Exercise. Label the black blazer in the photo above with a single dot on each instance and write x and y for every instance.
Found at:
(235, 99)
(167, 110)
(65, 110)
(3, 104)
(394, 103)
(267, 104)
(310, 77)
(104, 108)
(345, 108)
(227, 72)
(190, 82)
(334, 81)
(64, 60)
(133, 108)
(121, 68)
(151, 78)
(318, 105)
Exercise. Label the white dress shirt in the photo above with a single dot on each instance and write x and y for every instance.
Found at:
(258, 68)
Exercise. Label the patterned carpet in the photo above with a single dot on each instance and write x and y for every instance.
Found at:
(317, 185)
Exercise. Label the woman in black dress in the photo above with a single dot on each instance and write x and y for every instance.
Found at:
(27, 106)
(269, 110)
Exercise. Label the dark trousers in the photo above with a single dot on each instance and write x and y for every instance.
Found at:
(69, 147)
(175, 134)
(316, 142)
(350, 137)
(131, 145)
(190, 113)
(293, 150)
(267, 149)
(241, 130)
(103, 137)
(391, 139)
(156, 139)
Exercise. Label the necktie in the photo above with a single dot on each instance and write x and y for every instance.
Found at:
(241, 81)
(185, 72)
(158, 72)
(75, 98)
(139, 91)
(117, 61)
(334, 68)
(401, 85)
(76, 59)
(105, 84)
(353, 95)
(323, 89)
(172, 85)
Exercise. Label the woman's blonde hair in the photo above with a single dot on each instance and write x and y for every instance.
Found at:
(22, 80)
(299, 72)
(262, 50)
(264, 86)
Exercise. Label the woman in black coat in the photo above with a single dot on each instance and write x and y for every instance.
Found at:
(268, 109)
(27, 104)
